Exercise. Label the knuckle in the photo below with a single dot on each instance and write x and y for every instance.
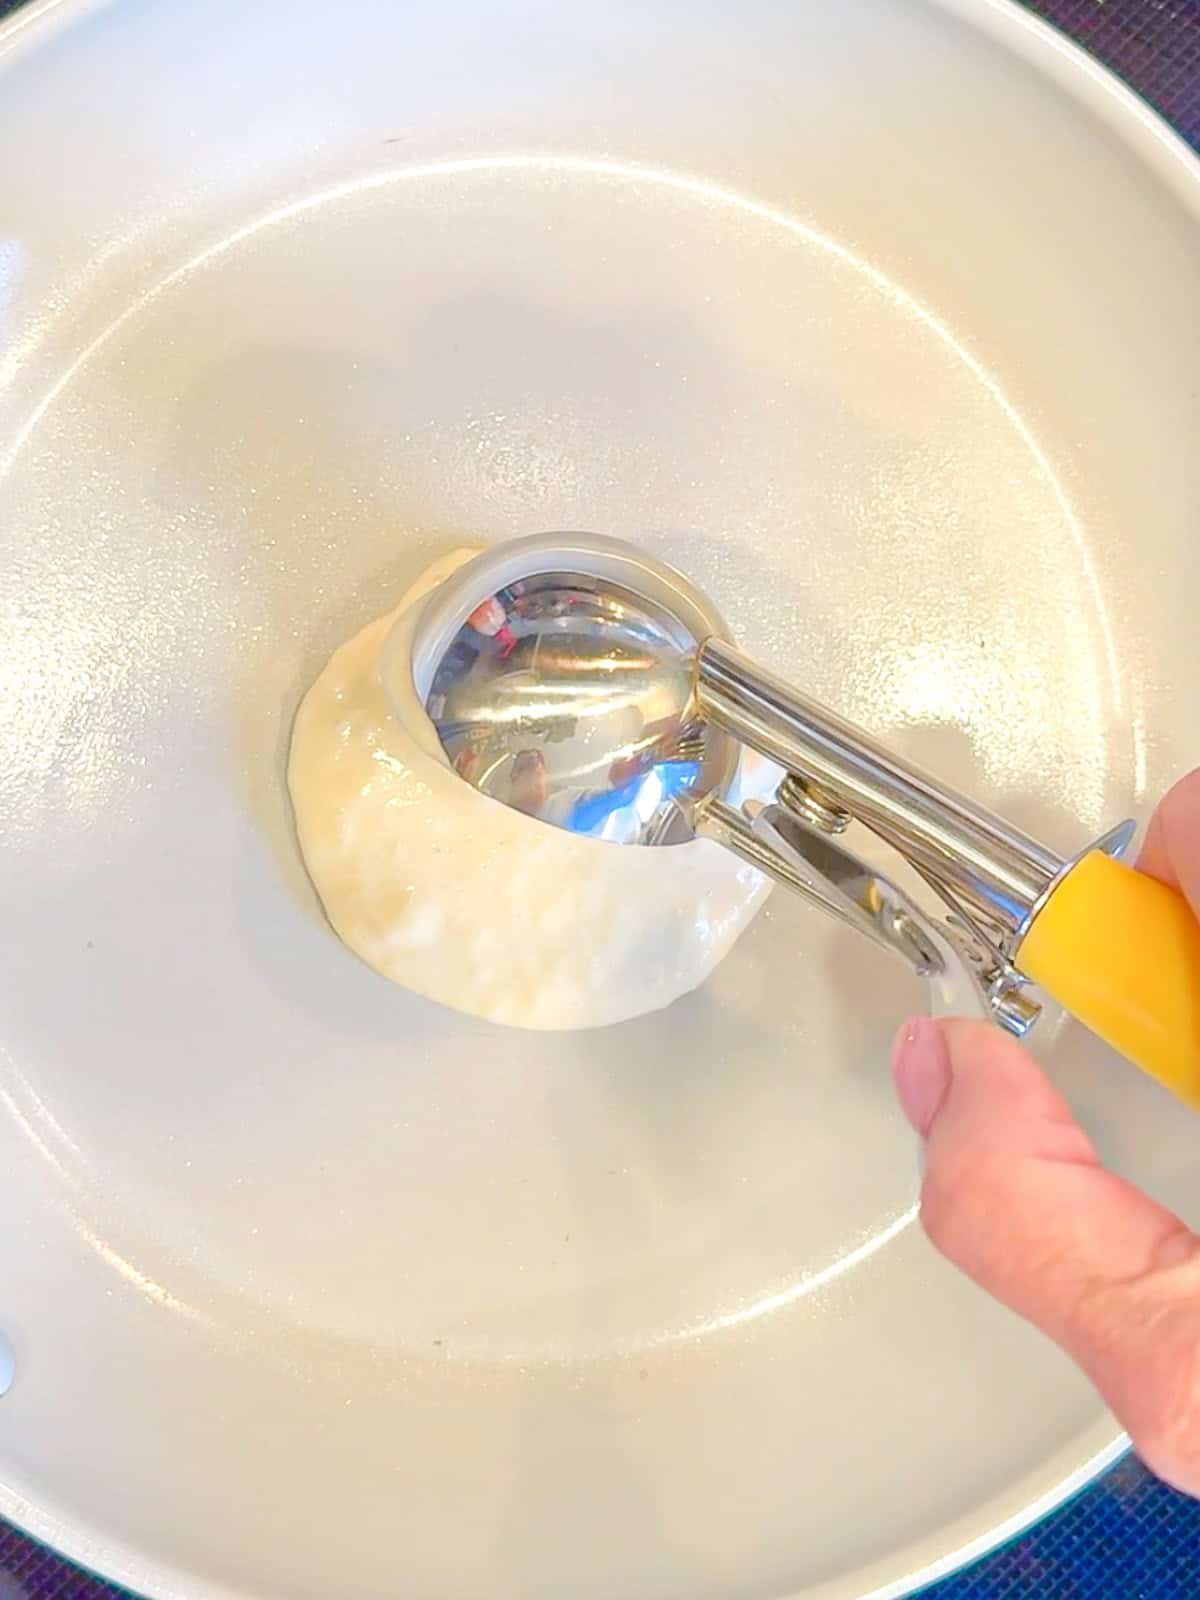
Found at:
(947, 1209)
(980, 1220)
(1168, 1436)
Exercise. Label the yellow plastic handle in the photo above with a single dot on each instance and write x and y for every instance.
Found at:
(1122, 952)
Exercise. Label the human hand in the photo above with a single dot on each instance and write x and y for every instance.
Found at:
(1014, 1195)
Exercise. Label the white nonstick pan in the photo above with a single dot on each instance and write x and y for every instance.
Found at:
(880, 319)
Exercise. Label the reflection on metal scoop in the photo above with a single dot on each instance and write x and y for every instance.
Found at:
(574, 704)
(578, 680)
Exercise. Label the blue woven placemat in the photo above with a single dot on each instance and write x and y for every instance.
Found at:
(1126, 1537)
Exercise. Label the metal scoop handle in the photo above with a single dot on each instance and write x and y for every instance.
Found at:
(1118, 949)
(988, 867)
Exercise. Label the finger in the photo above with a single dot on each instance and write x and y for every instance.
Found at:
(1015, 1196)
(1171, 850)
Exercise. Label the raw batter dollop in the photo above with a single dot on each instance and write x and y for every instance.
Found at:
(461, 899)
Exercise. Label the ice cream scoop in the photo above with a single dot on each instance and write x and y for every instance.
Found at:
(595, 688)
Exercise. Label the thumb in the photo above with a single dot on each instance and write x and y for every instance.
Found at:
(1015, 1195)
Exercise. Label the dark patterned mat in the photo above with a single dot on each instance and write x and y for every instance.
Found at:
(1126, 1537)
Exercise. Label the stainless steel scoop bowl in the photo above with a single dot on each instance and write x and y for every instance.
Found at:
(573, 699)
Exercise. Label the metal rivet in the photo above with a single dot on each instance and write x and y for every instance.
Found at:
(813, 805)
